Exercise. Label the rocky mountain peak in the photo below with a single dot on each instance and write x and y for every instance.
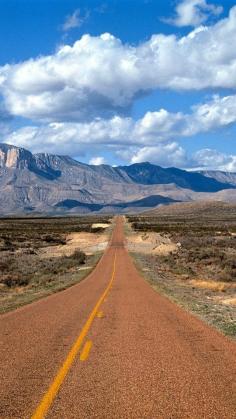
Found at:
(13, 157)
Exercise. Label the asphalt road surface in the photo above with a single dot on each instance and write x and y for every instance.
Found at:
(111, 347)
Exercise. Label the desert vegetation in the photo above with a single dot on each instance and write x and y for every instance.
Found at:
(29, 268)
(201, 270)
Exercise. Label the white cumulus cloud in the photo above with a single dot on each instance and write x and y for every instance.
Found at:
(152, 137)
(214, 160)
(170, 154)
(99, 76)
(96, 161)
(194, 13)
(150, 130)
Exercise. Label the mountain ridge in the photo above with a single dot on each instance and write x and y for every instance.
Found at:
(40, 182)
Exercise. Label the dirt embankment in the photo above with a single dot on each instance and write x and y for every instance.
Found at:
(151, 243)
(89, 243)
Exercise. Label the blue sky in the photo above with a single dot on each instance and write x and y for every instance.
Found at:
(159, 87)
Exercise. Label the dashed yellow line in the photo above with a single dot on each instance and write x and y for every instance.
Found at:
(52, 391)
(86, 349)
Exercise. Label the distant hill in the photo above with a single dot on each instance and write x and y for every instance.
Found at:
(224, 177)
(188, 209)
(46, 183)
(150, 174)
(149, 201)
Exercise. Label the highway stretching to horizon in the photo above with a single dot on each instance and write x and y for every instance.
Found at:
(112, 347)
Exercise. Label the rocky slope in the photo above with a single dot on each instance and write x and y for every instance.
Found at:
(44, 183)
(225, 177)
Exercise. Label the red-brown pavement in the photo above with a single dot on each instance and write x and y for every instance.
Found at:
(148, 359)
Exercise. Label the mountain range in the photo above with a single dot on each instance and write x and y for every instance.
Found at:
(53, 184)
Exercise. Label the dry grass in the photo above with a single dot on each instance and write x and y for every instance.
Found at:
(229, 301)
(38, 258)
(218, 286)
(201, 274)
(207, 247)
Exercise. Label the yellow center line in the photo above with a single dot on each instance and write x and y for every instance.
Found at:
(53, 389)
(86, 349)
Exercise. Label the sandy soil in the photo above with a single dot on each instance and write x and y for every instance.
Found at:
(87, 242)
(151, 243)
(100, 225)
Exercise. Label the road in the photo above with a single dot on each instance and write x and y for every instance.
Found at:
(111, 347)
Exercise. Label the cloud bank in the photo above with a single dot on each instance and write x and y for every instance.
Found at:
(148, 138)
(100, 76)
